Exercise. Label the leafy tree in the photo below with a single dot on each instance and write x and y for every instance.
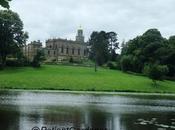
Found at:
(126, 63)
(149, 48)
(170, 61)
(114, 55)
(143, 49)
(99, 48)
(157, 72)
(103, 46)
(5, 3)
(38, 59)
(12, 36)
(113, 45)
(137, 64)
(149, 51)
(113, 40)
(172, 41)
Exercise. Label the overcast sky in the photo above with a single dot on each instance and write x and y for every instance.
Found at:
(45, 19)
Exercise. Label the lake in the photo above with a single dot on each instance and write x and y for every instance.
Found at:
(46, 110)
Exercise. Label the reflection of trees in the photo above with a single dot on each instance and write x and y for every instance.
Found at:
(63, 116)
(9, 120)
(76, 117)
(9, 115)
(95, 119)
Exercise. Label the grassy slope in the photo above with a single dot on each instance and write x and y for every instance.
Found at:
(78, 78)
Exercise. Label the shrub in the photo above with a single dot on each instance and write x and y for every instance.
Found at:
(164, 69)
(71, 60)
(171, 72)
(157, 72)
(111, 65)
(15, 63)
(1, 67)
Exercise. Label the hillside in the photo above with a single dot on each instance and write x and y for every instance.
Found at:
(52, 77)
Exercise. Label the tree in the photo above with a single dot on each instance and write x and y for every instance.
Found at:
(99, 48)
(157, 72)
(12, 36)
(170, 62)
(103, 46)
(144, 48)
(113, 45)
(5, 3)
(172, 41)
(125, 62)
(38, 59)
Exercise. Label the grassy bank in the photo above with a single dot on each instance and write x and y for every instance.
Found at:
(52, 77)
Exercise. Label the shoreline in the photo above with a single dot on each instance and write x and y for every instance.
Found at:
(90, 92)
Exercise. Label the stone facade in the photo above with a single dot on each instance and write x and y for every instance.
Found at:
(30, 50)
(63, 49)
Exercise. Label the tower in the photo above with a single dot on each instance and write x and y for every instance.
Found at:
(80, 37)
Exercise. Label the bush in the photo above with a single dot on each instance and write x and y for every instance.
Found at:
(14, 63)
(146, 69)
(157, 72)
(171, 72)
(1, 67)
(18, 61)
(111, 66)
(164, 69)
(71, 60)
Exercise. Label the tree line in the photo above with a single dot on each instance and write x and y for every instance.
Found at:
(149, 54)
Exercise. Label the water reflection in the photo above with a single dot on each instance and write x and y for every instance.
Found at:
(24, 110)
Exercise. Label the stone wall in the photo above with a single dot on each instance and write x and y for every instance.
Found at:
(62, 49)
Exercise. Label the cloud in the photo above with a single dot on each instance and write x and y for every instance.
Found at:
(45, 19)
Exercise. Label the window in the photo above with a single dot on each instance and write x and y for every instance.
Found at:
(73, 51)
(67, 50)
(62, 49)
(84, 52)
(48, 52)
(78, 51)
(54, 53)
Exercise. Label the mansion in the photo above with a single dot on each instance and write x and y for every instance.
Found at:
(60, 49)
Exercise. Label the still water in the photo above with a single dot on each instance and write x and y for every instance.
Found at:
(23, 110)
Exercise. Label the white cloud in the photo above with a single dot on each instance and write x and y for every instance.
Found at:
(45, 19)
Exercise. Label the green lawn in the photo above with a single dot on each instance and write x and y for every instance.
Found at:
(52, 77)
